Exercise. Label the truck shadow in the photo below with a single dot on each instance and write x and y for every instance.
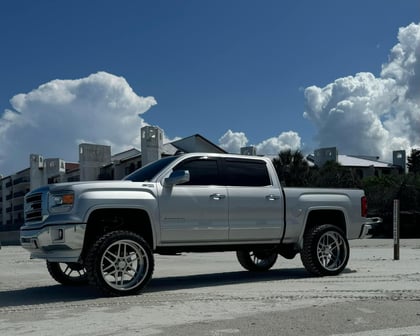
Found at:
(222, 279)
(80, 295)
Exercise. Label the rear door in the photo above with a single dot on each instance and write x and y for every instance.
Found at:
(255, 203)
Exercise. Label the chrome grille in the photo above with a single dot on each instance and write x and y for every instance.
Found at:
(33, 208)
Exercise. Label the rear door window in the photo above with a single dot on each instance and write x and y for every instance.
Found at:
(248, 173)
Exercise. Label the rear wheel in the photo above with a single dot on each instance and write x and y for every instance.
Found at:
(69, 274)
(257, 261)
(120, 263)
(325, 250)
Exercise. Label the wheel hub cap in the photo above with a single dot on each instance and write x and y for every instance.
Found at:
(121, 265)
(331, 251)
(124, 265)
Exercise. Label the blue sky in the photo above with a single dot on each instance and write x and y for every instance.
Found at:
(211, 66)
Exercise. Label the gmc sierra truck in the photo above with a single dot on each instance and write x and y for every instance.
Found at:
(106, 232)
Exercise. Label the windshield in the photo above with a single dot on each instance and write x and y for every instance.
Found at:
(148, 172)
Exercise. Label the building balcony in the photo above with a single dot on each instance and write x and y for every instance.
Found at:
(18, 207)
(21, 180)
(19, 194)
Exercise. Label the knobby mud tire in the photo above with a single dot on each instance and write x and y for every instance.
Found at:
(325, 250)
(120, 263)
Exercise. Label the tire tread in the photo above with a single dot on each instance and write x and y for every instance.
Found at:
(94, 276)
(309, 254)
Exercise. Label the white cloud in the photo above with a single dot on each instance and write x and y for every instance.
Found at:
(54, 118)
(286, 140)
(363, 114)
(233, 141)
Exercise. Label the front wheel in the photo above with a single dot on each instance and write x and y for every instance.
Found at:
(120, 263)
(325, 250)
(69, 274)
(257, 261)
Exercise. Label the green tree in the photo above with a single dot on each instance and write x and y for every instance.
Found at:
(380, 192)
(414, 161)
(292, 168)
(383, 190)
(334, 175)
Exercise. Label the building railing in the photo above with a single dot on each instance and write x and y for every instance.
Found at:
(21, 180)
(10, 227)
(18, 207)
(19, 194)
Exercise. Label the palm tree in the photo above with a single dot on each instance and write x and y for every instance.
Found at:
(414, 161)
(292, 168)
(333, 175)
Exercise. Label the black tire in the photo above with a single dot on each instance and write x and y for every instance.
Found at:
(257, 261)
(69, 274)
(120, 263)
(325, 250)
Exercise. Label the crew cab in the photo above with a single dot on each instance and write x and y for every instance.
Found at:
(107, 232)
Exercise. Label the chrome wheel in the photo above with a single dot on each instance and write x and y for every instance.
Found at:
(325, 250)
(124, 264)
(120, 263)
(257, 261)
(71, 274)
(332, 251)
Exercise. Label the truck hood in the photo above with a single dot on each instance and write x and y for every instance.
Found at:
(96, 185)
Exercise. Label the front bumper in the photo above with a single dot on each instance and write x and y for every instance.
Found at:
(58, 243)
(369, 227)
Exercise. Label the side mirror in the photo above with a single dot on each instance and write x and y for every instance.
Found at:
(177, 177)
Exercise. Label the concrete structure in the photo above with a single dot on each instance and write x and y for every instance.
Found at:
(91, 158)
(12, 191)
(399, 158)
(46, 171)
(362, 165)
(323, 155)
(250, 150)
(95, 163)
(151, 144)
(36, 171)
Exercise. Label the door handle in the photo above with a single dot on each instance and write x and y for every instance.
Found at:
(272, 197)
(217, 196)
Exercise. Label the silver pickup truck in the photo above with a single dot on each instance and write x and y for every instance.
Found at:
(106, 232)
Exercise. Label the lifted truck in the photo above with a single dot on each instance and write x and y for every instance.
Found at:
(106, 232)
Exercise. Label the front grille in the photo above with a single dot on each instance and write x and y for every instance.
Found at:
(33, 208)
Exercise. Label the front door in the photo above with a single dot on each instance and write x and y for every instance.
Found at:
(196, 211)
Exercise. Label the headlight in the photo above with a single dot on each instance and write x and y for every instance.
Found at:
(62, 202)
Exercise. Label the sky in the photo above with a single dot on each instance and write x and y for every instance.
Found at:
(290, 74)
